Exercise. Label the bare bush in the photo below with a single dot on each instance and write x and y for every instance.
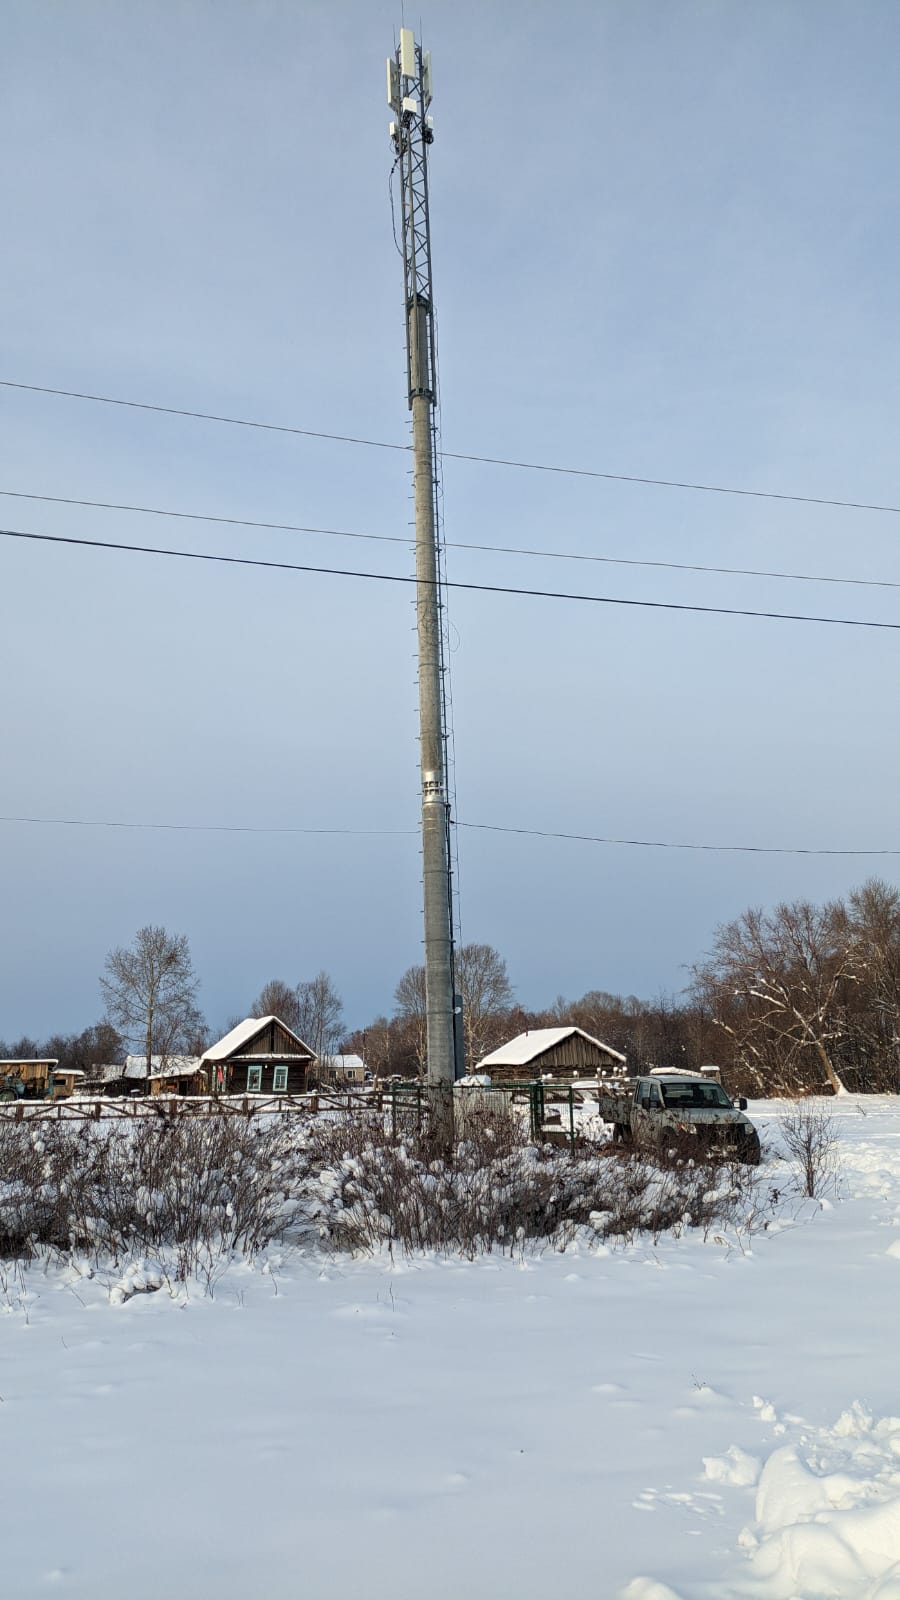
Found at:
(190, 1193)
(368, 1190)
(811, 1141)
(198, 1189)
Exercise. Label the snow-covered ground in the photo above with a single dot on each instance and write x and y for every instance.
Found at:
(701, 1419)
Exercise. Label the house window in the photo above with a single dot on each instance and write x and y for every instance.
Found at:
(279, 1082)
(254, 1080)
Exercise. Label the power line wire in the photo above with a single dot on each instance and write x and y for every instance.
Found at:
(450, 544)
(480, 827)
(204, 516)
(477, 588)
(667, 844)
(209, 827)
(454, 455)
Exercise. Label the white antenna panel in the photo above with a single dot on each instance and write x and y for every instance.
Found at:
(426, 78)
(393, 84)
(407, 53)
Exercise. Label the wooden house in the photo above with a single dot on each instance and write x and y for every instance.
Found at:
(565, 1054)
(260, 1056)
(347, 1070)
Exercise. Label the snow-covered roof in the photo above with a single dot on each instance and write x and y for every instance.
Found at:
(526, 1046)
(345, 1063)
(28, 1061)
(243, 1033)
(681, 1072)
(161, 1066)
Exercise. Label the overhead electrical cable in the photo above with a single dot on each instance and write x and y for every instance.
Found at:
(481, 827)
(211, 827)
(450, 544)
(454, 455)
(477, 588)
(668, 844)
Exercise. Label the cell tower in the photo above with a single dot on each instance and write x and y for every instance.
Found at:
(409, 96)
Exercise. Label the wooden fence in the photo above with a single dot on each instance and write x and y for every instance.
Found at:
(405, 1103)
(159, 1107)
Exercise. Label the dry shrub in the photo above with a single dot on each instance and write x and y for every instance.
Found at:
(811, 1141)
(367, 1189)
(192, 1192)
(189, 1186)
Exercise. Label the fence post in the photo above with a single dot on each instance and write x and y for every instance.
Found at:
(571, 1117)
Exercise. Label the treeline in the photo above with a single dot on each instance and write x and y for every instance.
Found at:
(808, 996)
(76, 1052)
(803, 997)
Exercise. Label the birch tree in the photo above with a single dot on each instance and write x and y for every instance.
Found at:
(150, 992)
(487, 996)
(320, 1015)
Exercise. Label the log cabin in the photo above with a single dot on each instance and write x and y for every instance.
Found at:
(558, 1053)
(261, 1055)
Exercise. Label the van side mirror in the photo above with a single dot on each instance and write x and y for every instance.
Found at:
(742, 1103)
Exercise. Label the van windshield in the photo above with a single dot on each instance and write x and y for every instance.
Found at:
(693, 1096)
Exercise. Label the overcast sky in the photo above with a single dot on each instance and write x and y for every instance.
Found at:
(665, 241)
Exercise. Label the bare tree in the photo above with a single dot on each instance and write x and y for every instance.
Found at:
(409, 1001)
(151, 992)
(873, 1010)
(487, 996)
(320, 1016)
(278, 999)
(775, 981)
(24, 1049)
(375, 1044)
(100, 1044)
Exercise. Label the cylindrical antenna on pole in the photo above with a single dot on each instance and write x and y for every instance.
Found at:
(409, 95)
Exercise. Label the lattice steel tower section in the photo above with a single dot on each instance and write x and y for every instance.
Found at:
(409, 95)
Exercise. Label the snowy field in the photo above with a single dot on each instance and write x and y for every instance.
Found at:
(697, 1420)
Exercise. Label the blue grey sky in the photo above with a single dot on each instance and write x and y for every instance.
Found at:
(665, 245)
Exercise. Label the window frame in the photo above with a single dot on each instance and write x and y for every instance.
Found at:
(254, 1072)
(277, 1072)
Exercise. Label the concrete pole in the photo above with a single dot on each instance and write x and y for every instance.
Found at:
(441, 1069)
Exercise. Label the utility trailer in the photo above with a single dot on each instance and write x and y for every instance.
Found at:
(689, 1106)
